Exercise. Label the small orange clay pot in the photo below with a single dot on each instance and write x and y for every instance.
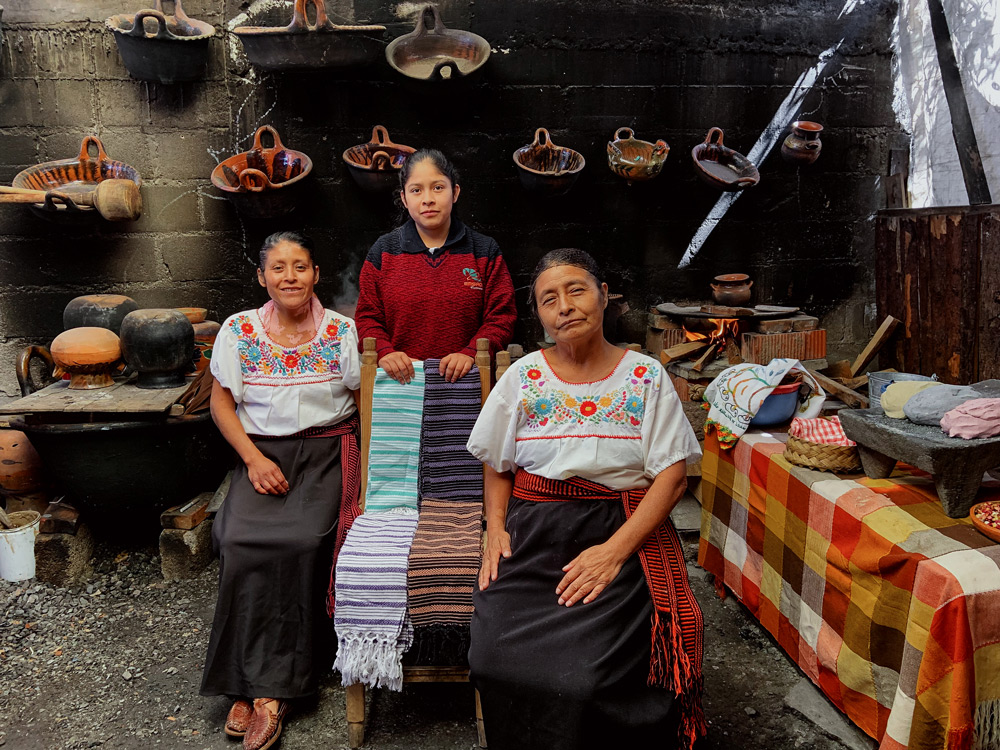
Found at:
(731, 289)
(802, 146)
(88, 354)
(20, 466)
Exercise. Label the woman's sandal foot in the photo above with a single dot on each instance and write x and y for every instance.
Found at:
(238, 718)
(265, 726)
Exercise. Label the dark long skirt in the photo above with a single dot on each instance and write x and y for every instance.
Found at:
(271, 636)
(559, 677)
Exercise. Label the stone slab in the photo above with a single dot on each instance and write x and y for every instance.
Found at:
(957, 465)
(806, 699)
(64, 559)
(185, 553)
(686, 515)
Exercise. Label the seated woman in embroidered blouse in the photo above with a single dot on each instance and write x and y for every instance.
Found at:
(285, 395)
(585, 447)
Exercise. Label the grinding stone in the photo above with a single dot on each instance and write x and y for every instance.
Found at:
(927, 407)
(897, 394)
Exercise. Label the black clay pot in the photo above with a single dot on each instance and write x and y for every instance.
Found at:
(98, 311)
(157, 343)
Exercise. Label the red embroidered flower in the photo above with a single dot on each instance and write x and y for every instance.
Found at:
(331, 330)
(291, 361)
(588, 408)
(640, 371)
(534, 374)
(544, 422)
(634, 421)
(247, 328)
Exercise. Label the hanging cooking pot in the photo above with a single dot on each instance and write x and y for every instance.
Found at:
(375, 165)
(432, 52)
(547, 168)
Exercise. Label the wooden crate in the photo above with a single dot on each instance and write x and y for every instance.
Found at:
(938, 271)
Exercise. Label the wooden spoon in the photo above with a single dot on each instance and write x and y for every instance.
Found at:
(5, 520)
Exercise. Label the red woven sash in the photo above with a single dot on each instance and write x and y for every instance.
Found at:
(677, 631)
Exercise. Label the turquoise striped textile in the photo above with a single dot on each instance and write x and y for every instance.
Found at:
(397, 412)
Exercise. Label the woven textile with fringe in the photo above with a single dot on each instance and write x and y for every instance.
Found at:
(678, 627)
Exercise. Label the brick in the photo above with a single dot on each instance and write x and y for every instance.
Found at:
(182, 155)
(66, 102)
(62, 52)
(204, 257)
(188, 105)
(17, 152)
(800, 322)
(168, 207)
(97, 260)
(19, 104)
(122, 104)
(762, 348)
(35, 314)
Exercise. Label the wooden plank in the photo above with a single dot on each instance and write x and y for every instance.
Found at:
(705, 358)
(435, 674)
(875, 345)
(122, 397)
(682, 351)
(988, 325)
(187, 515)
(845, 394)
(483, 365)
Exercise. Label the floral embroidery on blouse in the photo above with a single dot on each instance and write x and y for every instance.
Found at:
(262, 361)
(543, 403)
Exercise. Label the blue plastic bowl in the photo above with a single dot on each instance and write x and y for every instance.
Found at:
(777, 407)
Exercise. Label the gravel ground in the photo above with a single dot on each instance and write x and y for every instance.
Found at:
(117, 664)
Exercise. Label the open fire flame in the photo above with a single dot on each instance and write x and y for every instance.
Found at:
(724, 328)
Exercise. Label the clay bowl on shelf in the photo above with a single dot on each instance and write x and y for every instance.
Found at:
(721, 167)
(88, 354)
(375, 165)
(73, 177)
(634, 159)
(432, 52)
(263, 183)
(547, 168)
(193, 314)
(176, 51)
(987, 508)
(322, 44)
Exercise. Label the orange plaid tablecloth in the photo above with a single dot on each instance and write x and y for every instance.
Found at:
(891, 607)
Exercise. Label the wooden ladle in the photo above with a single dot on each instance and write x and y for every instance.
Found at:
(5, 521)
(115, 200)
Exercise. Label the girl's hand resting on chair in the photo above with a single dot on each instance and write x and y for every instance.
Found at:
(455, 366)
(398, 366)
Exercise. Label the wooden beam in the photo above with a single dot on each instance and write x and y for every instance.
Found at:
(845, 394)
(705, 358)
(878, 341)
(682, 351)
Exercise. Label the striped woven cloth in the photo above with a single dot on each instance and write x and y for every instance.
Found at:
(447, 470)
(444, 562)
(394, 455)
(373, 629)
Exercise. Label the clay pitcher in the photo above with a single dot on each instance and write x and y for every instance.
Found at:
(802, 146)
(732, 289)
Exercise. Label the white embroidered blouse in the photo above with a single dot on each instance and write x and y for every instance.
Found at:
(280, 391)
(620, 431)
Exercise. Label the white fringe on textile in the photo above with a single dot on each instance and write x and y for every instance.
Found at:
(373, 661)
(987, 725)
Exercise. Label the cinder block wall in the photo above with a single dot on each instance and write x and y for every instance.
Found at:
(581, 69)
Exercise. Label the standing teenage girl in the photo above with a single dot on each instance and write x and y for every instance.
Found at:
(432, 286)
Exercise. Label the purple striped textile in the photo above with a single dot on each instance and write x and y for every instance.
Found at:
(447, 470)
(373, 628)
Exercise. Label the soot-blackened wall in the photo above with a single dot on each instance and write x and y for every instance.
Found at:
(668, 70)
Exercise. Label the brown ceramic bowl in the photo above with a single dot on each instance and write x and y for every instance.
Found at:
(375, 165)
(634, 159)
(984, 528)
(194, 314)
(721, 167)
(88, 354)
(263, 183)
(547, 168)
(71, 177)
(437, 54)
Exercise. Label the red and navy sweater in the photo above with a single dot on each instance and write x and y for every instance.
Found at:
(433, 304)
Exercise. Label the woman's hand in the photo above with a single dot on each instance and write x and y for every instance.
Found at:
(266, 477)
(455, 366)
(397, 366)
(497, 546)
(588, 574)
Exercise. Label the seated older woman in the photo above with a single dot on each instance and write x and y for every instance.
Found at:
(286, 378)
(585, 632)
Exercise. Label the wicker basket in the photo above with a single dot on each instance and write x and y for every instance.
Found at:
(836, 458)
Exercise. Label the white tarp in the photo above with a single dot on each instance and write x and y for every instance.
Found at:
(935, 173)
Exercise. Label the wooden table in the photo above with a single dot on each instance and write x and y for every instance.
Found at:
(885, 602)
(124, 397)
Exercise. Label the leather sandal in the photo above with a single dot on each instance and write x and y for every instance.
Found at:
(265, 727)
(238, 718)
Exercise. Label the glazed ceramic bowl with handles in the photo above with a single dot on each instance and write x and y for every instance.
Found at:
(547, 168)
(432, 52)
(176, 51)
(375, 165)
(634, 159)
(721, 167)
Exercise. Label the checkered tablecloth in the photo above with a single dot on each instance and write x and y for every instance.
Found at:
(891, 607)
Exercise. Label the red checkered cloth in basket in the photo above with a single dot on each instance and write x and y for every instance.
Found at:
(819, 430)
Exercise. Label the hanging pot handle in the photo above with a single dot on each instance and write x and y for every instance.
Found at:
(24, 380)
(178, 13)
(661, 148)
(422, 26)
(139, 27)
(619, 137)
(439, 72)
(274, 134)
(253, 180)
(542, 138)
(380, 136)
(381, 161)
(300, 20)
(54, 196)
(92, 140)
(714, 137)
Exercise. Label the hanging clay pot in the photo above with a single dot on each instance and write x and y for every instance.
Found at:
(732, 289)
(88, 354)
(204, 339)
(98, 310)
(158, 344)
(20, 465)
(375, 165)
(546, 168)
(722, 167)
(635, 159)
(802, 146)
(433, 52)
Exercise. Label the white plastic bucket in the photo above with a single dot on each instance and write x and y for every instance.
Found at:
(17, 546)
